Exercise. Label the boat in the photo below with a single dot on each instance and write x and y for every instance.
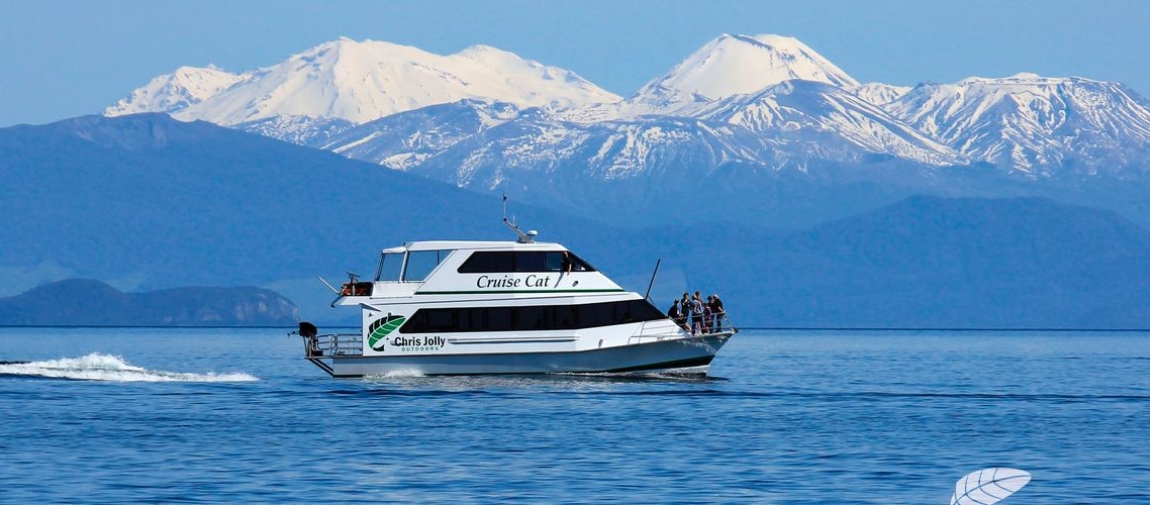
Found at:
(502, 307)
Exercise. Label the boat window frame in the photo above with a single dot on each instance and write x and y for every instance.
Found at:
(441, 255)
(468, 266)
(383, 256)
(564, 317)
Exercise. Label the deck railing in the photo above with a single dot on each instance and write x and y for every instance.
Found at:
(334, 344)
(721, 325)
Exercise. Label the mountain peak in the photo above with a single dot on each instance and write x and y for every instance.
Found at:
(183, 88)
(739, 64)
(1034, 124)
(360, 81)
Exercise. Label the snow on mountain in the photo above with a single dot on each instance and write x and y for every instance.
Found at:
(176, 91)
(743, 106)
(878, 93)
(302, 130)
(733, 65)
(407, 139)
(1035, 124)
(363, 81)
(486, 146)
(797, 108)
(783, 122)
(563, 162)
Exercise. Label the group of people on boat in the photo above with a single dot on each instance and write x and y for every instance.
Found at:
(698, 316)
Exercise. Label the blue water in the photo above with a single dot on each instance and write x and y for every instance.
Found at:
(146, 415)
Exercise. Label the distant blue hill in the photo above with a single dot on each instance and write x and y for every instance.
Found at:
(162, 203)
(946, 263)
(146, 203)
(82, 302)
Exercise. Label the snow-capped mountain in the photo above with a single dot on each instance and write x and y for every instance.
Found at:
(787, 126)
(732, 65)
(175, 92)
(624, 171)
(363, 81)
(407, 139)
(302, 130)
(879, 93)
(740, 64)
(756, 125)
(845, 126)
(1033, 124)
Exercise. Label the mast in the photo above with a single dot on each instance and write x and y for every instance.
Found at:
(524, 238)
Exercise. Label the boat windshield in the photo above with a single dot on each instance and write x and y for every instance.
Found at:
(390, 266)
(420, 264)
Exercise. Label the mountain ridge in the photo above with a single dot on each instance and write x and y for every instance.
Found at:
(771, 153)
(57, 304)
(362, 81)
(1033, 124)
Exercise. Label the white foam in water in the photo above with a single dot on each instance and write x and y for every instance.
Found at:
(104, 367)
(395, 374)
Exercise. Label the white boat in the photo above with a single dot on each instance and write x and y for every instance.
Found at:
(502, 307)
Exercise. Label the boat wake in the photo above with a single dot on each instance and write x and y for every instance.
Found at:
(104, 367)
(396, 374)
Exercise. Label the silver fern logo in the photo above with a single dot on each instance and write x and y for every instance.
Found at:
(988, 486)
(382, 328)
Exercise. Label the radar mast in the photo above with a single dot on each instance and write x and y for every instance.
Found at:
(524, 238)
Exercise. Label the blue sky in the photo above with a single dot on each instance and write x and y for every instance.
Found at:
(68, 58)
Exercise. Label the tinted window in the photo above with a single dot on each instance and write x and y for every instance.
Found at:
(531, 262)
(577, 263)
(534, 318)
(548, 317)
(472, 320)
(498, 319)
(490, 262)
(554, 262)
(441, 320)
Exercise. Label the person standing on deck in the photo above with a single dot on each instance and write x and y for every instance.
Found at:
(696, 315)
(717, 311)
(707, 321)
(675, 314)
(685, 308)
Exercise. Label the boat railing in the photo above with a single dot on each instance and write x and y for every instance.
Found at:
(722, 324)
(334, 344)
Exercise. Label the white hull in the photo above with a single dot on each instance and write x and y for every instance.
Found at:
(692, 354)
(457, 307)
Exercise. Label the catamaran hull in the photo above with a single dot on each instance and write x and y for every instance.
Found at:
(691, 354)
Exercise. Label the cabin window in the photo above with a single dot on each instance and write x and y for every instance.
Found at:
(530, 318)
(485, 262)
(420, 264)
(390, 266)
(491, 262)
(472, 319)
(535, 318)
(498, 318)
(441, 320)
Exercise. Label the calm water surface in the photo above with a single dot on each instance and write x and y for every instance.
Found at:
(147, 415)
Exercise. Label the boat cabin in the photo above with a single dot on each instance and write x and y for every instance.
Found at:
(475, 268)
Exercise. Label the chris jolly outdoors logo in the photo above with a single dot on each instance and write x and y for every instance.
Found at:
(381, 328)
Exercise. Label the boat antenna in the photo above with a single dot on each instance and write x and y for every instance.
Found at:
(524, 238)
(652, 283)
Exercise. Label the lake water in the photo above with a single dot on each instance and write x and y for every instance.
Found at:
(787, 417)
